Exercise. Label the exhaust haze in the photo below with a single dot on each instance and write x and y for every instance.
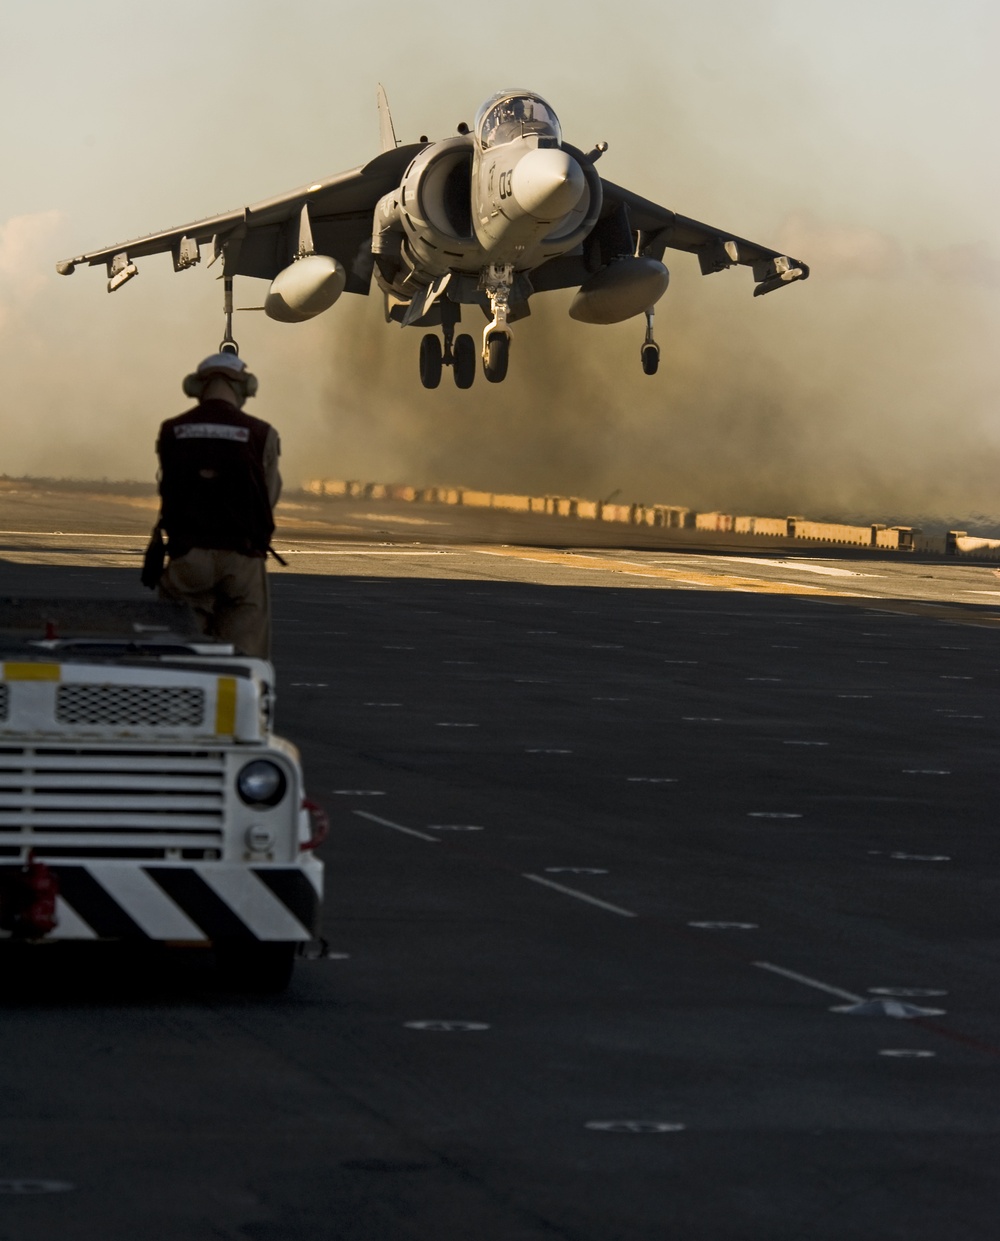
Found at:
(871, 389)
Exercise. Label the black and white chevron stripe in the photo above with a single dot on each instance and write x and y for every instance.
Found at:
(185, 902)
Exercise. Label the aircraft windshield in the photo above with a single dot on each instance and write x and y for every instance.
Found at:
(504, 118)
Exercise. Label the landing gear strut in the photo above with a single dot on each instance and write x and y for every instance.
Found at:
(650, 349)
(497, 283)
(228, 345)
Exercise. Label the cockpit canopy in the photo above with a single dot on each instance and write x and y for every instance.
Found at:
(513, 114)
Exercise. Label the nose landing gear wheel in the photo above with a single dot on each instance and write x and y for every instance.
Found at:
(496, 358)
(650, 358)
(464, 361)
(430, 361)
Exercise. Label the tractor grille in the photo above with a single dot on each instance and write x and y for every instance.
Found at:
(127, 802)
(136, 706)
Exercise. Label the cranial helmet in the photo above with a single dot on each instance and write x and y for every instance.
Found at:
(223, 366)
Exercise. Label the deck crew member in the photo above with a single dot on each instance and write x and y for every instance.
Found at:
(219, 483)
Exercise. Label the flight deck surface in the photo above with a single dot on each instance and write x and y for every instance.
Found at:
(618, 835)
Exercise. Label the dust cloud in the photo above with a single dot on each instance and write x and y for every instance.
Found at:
(869, 390)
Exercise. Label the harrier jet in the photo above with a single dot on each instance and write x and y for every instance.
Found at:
(485, 218)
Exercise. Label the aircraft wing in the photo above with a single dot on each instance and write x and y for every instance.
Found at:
(262, 239)
(716, 249)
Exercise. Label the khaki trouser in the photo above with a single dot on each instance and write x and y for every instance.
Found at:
(228, 592)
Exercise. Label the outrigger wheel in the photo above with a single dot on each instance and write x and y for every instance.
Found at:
(650, 349)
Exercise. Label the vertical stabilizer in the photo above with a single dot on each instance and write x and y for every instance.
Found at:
(386, 133)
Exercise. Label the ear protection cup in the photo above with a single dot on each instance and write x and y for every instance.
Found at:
(226, 365)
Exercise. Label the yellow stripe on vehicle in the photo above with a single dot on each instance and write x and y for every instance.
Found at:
(32, 672)
(225, 706)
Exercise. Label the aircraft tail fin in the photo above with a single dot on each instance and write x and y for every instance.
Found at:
(386, 133)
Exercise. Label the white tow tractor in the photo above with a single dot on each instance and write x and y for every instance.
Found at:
(143, 794)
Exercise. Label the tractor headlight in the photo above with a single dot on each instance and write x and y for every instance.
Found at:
(261, 783)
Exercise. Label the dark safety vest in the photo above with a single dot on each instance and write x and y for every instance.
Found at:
(212, 482)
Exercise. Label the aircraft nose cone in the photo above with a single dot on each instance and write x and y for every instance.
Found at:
(547, 183)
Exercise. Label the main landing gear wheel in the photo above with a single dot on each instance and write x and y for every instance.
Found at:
(496, 357)
(430, 361)
(464, 361)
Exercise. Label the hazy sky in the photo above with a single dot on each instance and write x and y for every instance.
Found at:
(859, 136)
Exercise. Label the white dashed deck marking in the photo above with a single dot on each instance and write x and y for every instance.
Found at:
(635, 1126)
(907, 992)
(807, 981)
(582, 896)
(448, 1027)
(8, 1186)
(396, 827)
(725, 926)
